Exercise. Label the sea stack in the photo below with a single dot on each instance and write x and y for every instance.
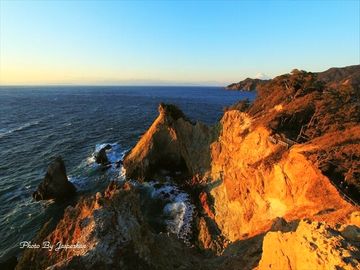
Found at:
(101, 157)
(55, 184)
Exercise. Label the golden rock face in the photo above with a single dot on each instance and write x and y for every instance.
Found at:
(312, 245)
(248, 182)
(171, 144)
(261, 181)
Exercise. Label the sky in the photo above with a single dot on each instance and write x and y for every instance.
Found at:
(172, 42)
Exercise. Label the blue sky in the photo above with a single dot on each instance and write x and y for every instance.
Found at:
(172, 42)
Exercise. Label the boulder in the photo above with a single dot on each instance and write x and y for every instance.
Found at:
(55, 184)
(101, 157)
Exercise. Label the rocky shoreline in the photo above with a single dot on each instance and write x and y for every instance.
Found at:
(259, 202)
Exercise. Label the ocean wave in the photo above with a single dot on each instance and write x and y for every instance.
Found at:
(5, 132)
(178, 211)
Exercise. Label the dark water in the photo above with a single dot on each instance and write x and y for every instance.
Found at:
(38, 123)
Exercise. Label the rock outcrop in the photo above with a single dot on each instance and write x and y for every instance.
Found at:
(246, 85)
(108, 231)
(173, 145)
(311, 245)
(55, 184)
(101, 157)
(252, 175)
(272, 159)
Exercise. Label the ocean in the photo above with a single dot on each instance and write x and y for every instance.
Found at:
(39, 123)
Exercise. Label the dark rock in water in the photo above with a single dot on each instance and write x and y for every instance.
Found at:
(119, 163)
(108, 147)
(9, 264)
(55, 184)
(101, 157)
(105, 167)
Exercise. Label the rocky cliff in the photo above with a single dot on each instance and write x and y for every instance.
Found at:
(253, 175)
(311, 245)
(172, 145)
(108, 231)
(293, 154)
(275, 186)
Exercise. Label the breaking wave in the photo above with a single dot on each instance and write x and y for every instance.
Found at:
(178, 211)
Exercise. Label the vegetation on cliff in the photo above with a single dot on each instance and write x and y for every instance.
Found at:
(303, 106)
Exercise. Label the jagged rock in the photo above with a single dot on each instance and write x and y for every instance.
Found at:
(270, 180)
(55, 184)
(351, 232)
(313, 245)
(252, 175)
(172, 144)
(246, 173)
(101, 157)
(111, 233)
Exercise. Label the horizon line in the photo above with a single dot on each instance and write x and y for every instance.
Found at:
(112, 85)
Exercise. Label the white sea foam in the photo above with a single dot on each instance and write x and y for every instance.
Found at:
(115, 156)
(90, 160)
(178, 211)
(122, 173)
(5, 132)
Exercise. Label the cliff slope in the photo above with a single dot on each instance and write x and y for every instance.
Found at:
(311, 245)
(172, 145)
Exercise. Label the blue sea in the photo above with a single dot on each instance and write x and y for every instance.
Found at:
(39, 123)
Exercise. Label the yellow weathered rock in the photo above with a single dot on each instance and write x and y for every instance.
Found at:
(312, 246)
